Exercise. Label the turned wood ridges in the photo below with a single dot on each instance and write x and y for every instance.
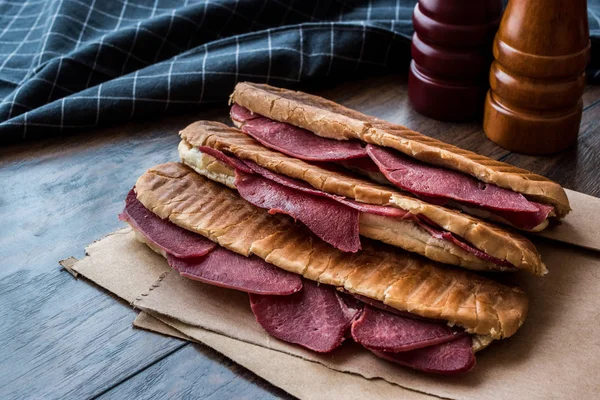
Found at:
(541, 49)
(451, 50)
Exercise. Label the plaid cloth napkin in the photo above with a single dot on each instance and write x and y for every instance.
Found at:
(67, 65)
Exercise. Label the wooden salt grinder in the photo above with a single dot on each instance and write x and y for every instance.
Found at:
(534, 103)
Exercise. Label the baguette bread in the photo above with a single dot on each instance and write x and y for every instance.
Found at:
(401, 233)
(493, 240)
(398, 279)
(331, 120)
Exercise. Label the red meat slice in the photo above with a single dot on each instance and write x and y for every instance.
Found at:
(526, 220)
(233, 162)
(333, 222)
(225, 268)
(437, 233)
(447, 358)
(383, 331)
(251, 167)
(434, 182)
(365, 164)
(294, 141)
(316, 317)
(163, 233)
(306, 188)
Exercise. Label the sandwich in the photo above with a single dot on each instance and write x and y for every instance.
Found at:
(314, 129)
(400, 306)
(339, 206)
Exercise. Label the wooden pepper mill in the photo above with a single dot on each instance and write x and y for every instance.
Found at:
(541, 49)
(451, 50)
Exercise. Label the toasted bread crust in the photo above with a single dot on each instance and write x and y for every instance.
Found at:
(328, 119)
(493, 240)
(399, 279)
(405, 234)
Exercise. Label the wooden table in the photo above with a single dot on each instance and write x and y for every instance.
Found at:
(63, 338)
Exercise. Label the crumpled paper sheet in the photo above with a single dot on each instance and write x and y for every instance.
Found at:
(301, 378)
(556, 354)
(580, 226)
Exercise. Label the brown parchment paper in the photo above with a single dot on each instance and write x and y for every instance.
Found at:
(580, 226)
(301, 378)
(556, 354)
(146, 321)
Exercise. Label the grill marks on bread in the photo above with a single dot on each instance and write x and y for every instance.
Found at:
(398, 279)
(493, 240)
(329, 119)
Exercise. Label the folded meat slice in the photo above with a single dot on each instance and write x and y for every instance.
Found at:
(382, 331)
(233, 162)
(224, 268)
(294, 141)
(360, 164)
(306, 188)
(433, 184)
(447, 358)
(316, 317)
(163, 234)
(252, 167)
(438, 186)
(436, 232)
(330, 220)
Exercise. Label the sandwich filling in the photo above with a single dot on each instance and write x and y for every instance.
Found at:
(214, 265)
(431, 183)
(302, 312)
(335, 219)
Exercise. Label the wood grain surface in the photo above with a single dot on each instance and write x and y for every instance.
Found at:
(63, 338)
(541, 50)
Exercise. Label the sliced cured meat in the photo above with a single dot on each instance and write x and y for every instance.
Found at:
(294, 184)
(447, 358)
(383, 331)
(419, 178)
(315, 317)
(333, 222)
(250, 167)
(225, 268)
(364, 164)
(437, 233)
(242, 114)
(306, 188)
(526, 220)
(163, 233)
(434, 182)
(294, 141)
(233, 162)
(449, 236)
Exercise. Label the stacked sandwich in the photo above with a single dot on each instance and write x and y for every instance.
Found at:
(338, 225)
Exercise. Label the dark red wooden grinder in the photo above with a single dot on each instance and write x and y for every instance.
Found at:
(452, 53)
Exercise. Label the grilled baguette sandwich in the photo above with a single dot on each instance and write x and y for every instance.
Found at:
(502, 249)
(485, 309)
(506, 194)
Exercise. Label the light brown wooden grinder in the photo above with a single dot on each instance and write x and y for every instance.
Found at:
(541, 49)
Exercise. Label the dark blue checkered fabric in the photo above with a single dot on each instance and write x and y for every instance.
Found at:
(66, 65)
